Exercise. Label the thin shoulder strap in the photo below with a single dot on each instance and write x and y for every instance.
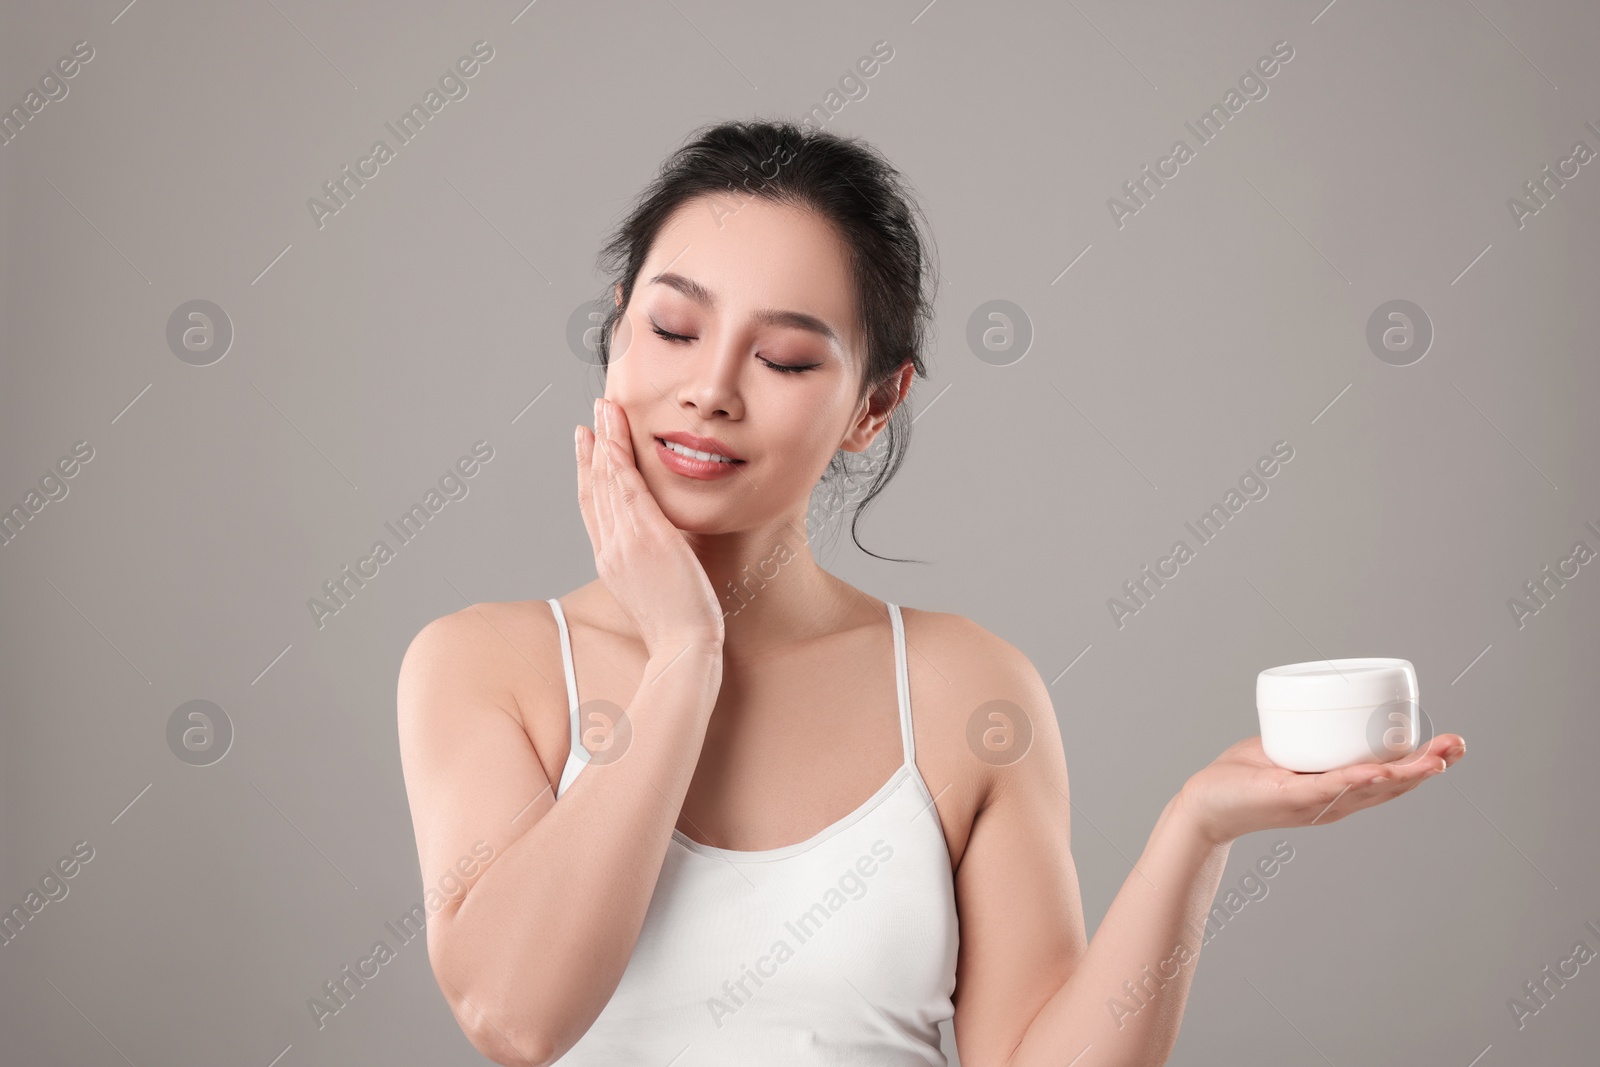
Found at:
(902, 682)
(566, 668)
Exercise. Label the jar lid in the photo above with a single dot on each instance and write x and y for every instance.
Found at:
(1328, 684)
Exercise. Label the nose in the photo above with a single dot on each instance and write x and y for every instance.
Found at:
(711, 379)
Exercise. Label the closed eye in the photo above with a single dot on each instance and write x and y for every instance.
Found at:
(669, 336)
(784, 368)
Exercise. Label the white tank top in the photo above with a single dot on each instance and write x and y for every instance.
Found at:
(839, 949)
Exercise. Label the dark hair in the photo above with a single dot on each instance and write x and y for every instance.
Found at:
(847, 182)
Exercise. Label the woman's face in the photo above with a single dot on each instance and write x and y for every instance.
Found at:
(754, 287)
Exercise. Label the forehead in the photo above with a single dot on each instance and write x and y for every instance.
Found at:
(752, 254)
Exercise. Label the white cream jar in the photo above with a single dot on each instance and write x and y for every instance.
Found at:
(1328, 714)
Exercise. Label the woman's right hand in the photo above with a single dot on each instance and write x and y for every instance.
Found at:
(643, 559)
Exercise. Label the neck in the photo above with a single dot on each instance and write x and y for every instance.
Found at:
(771, 589)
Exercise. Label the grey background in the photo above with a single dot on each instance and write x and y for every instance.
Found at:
(369, 354)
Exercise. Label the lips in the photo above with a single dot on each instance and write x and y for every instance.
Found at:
(701, 444)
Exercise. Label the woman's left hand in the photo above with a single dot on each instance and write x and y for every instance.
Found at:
(1242, 791)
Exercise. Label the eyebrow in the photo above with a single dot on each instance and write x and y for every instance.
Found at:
(798, 320)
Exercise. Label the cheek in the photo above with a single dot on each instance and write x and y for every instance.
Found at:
(640, 382)
(808, 434)
(643, 367)
(623, 334)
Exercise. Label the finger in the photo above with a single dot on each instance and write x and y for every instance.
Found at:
(1331, 795)
(1387, 789)
(1440, 754)
(625, 486)
(621, 431)
(1436, 756)
(620, 498)
(1392, 782)
(598, 478)
(1335, 794)
(1401, 777)
(1427, 756)
(585, 453)
(1392, 779)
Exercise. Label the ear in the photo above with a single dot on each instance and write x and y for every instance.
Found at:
(618, 293)
(876, 408)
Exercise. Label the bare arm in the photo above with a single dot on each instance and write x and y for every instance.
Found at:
(1125, 999)
(1031, 988)
(1029, 992)
(1157, 918)
(529, 955)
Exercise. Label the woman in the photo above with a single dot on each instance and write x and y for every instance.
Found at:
(748, 843)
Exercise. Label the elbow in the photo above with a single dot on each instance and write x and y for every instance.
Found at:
(515, 1021)
(501, 1032)
(499, 1039)
(519, 1052)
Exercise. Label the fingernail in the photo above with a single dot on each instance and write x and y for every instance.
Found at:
(1375, 779)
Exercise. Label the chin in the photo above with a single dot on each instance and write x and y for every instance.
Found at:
(708, 517)
(712, 507)
(710, 525)
(697, 517)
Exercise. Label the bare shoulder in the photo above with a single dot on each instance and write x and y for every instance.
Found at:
(504, 654)
(475, 777)
(970, 663)
(969, 648)
(479, 642)
(982, 703)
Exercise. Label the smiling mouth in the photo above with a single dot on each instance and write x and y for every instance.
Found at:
(693, 453)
